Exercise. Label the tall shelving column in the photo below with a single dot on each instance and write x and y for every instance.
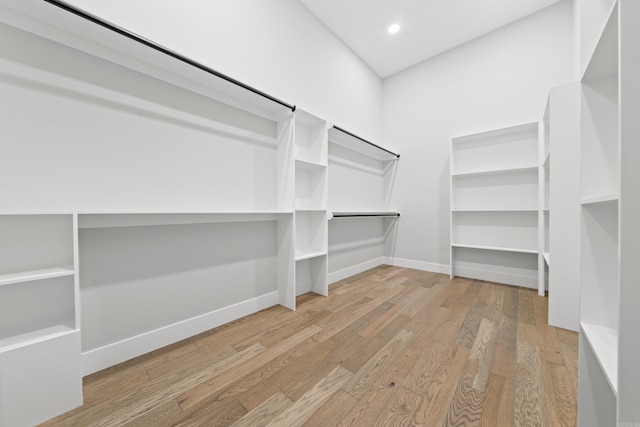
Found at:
(39, 336)
(286, 224)
(494, 206)
(561, 204)
(610, 233)
(310, 148)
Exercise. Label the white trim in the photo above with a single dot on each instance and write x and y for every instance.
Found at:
(112, 354)
(418, 265)
(355, 269)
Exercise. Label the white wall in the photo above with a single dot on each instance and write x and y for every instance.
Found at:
(278, 47)
(497, 80)
(593, 16)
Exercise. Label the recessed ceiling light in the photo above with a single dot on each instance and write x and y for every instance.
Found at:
(393, 28)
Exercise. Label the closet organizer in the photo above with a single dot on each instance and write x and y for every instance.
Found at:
(156, 198)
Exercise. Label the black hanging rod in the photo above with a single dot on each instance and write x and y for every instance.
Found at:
(365, 214)
(365, 141)
(92, 18)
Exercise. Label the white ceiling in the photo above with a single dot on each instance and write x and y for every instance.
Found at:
(428, 27)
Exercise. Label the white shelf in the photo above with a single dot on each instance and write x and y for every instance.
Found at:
(496, 171)
(494, 210)
(495, 248)
(33, 337)
(133, 219)
(603, 199)
(545, 255)
(546, 160)
(28, 276)
(306, 164)
(604, 343)
(308, 254)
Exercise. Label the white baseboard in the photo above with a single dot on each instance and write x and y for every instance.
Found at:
(355, 269)
(112, 354)
(418, 265)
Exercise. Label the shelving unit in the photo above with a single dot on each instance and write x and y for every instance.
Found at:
(560, 204)
(98, 267)
(39, 337)
(495, 205)
(609, 380)
(311, 188)
(361, 176)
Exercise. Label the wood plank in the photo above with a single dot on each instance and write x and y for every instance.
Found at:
(368, 374)
(421, 316)
(469, 328)
(354, 360)
(481, 354)
(570, 356)
(400, 408)
(124, 408)
(560, 394)
(219, 414)
(490, 412)
(438, 389)
(298, 413)
(529, 406)
(381, 321)
(158, 415)
(437, 354)
(351, 332)
(335, 325)
(492, 295)
(333, 411)
(264, 413)
(367, 409)
(209, 386)
(284, 373)
(230, 334)
(466, 406)
(526, 311)
(190, 362)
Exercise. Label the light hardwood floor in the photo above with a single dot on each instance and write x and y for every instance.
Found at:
(388, 347)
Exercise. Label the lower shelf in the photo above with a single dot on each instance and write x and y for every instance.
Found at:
(604, 343)
(34, 337)
(28, 276)
(496, 264)
(312, 275)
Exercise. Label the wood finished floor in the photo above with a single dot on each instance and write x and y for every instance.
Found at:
(389, 347)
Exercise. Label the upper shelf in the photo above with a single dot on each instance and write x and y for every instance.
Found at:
(112, 220)
(67, 24)
(601, 199)
(348, 140)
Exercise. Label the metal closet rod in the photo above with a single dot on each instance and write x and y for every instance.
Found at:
(364, 214)
(368, 142)
(89, 17)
